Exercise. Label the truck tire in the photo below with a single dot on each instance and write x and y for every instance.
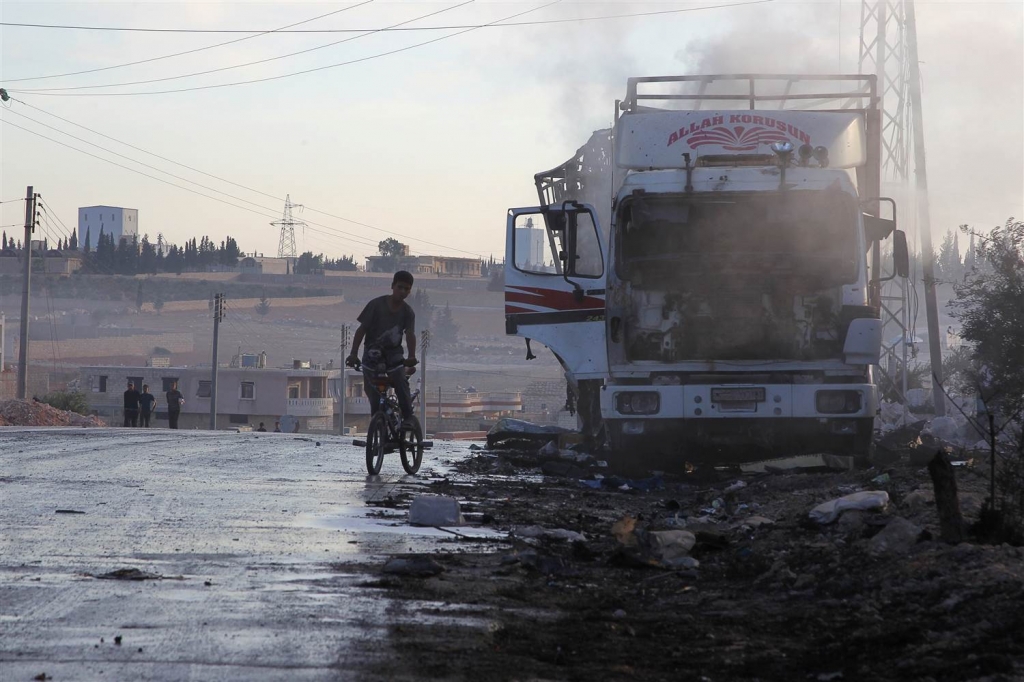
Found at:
(863, 446)
(588, 406)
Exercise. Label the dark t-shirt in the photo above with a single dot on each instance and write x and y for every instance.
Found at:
(174, 400)
(385, 328)
(131, 399)
(146, 401)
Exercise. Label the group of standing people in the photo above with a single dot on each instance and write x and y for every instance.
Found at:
(138, 406)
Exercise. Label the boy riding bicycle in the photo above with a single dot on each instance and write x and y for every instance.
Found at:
(383, 322)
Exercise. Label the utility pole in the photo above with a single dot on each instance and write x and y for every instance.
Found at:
(218, 313)
(924, 215)
(424, 345)
(30, 224)
(344, 380)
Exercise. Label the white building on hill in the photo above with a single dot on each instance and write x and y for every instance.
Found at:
(120, 222)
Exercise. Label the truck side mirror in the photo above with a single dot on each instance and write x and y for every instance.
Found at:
(900, 254)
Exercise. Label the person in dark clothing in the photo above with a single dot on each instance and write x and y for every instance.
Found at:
(174, 402)
(277, 427)
(383, 322)
(131, 406)
(146, 400)
(262, 429)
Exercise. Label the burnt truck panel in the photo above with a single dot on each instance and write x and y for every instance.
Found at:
(753, 276)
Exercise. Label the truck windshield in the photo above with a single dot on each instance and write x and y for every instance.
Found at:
(730, 276)
(811, 235)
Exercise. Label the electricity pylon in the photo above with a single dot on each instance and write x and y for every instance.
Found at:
(888, 48)
(286, 245)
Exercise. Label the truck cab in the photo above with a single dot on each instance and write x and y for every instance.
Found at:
(706, 278)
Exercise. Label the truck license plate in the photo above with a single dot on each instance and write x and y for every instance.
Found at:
(737, 395)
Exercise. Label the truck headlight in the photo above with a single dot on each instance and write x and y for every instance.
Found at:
(837, 402)
(640, 402)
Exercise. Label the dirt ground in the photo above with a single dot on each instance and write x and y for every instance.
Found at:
(765, 593)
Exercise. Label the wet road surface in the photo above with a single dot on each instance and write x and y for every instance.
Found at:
(242, 529)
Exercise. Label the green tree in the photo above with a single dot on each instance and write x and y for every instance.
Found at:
(391, 249)
(420, 303)
(263, 307)
(158, 300)
(229, 252)
(308, 264)
(497, 281)
(345, 263)
(139, 298)
(951, 267)
(446, 332)
(989, 304)
(147, 257)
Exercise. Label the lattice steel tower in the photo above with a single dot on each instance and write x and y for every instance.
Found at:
(888, 48)
(286, 245)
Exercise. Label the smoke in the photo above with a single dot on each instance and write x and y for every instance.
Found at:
(774, 38)
(972, 66)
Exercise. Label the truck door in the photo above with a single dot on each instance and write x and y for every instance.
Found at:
(555, 284)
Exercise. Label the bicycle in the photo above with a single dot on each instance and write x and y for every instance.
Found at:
(387, 429)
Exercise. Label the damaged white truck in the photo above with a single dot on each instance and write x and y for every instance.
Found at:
(707, 271)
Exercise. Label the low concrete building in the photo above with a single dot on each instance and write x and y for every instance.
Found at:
(52, 262)
(245, 396)
(261, 265)
(442, 266)
(62, 262)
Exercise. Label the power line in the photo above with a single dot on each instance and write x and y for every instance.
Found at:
(225, 180)
(180, 54)
(360, 240)
(297, 73)
(452, 27)
(237, 66)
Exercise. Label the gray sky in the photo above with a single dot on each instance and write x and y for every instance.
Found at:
(437, 141)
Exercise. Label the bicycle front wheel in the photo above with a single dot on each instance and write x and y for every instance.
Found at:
(411, 446)
(376, 442)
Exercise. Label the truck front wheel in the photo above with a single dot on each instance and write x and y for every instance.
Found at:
(862, 447)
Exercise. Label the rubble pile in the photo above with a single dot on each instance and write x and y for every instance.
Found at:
(32, 413)
(780, 574)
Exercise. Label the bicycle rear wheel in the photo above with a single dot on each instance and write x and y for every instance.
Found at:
(411, 446)
(376, 442)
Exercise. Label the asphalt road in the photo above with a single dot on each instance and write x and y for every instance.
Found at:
(243, 530)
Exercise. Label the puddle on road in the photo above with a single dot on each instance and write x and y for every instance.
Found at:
(355, 520)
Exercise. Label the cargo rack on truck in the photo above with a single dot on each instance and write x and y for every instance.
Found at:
(729, 88)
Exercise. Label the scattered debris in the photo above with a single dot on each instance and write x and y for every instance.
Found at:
(556, 534)
(134, 574)
(414, 567)
(68, 511)
(896, 538)
(827, 512)
(435, 510)
(738, 572)
(511, 432)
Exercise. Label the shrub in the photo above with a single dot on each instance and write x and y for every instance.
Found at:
(70, 401)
